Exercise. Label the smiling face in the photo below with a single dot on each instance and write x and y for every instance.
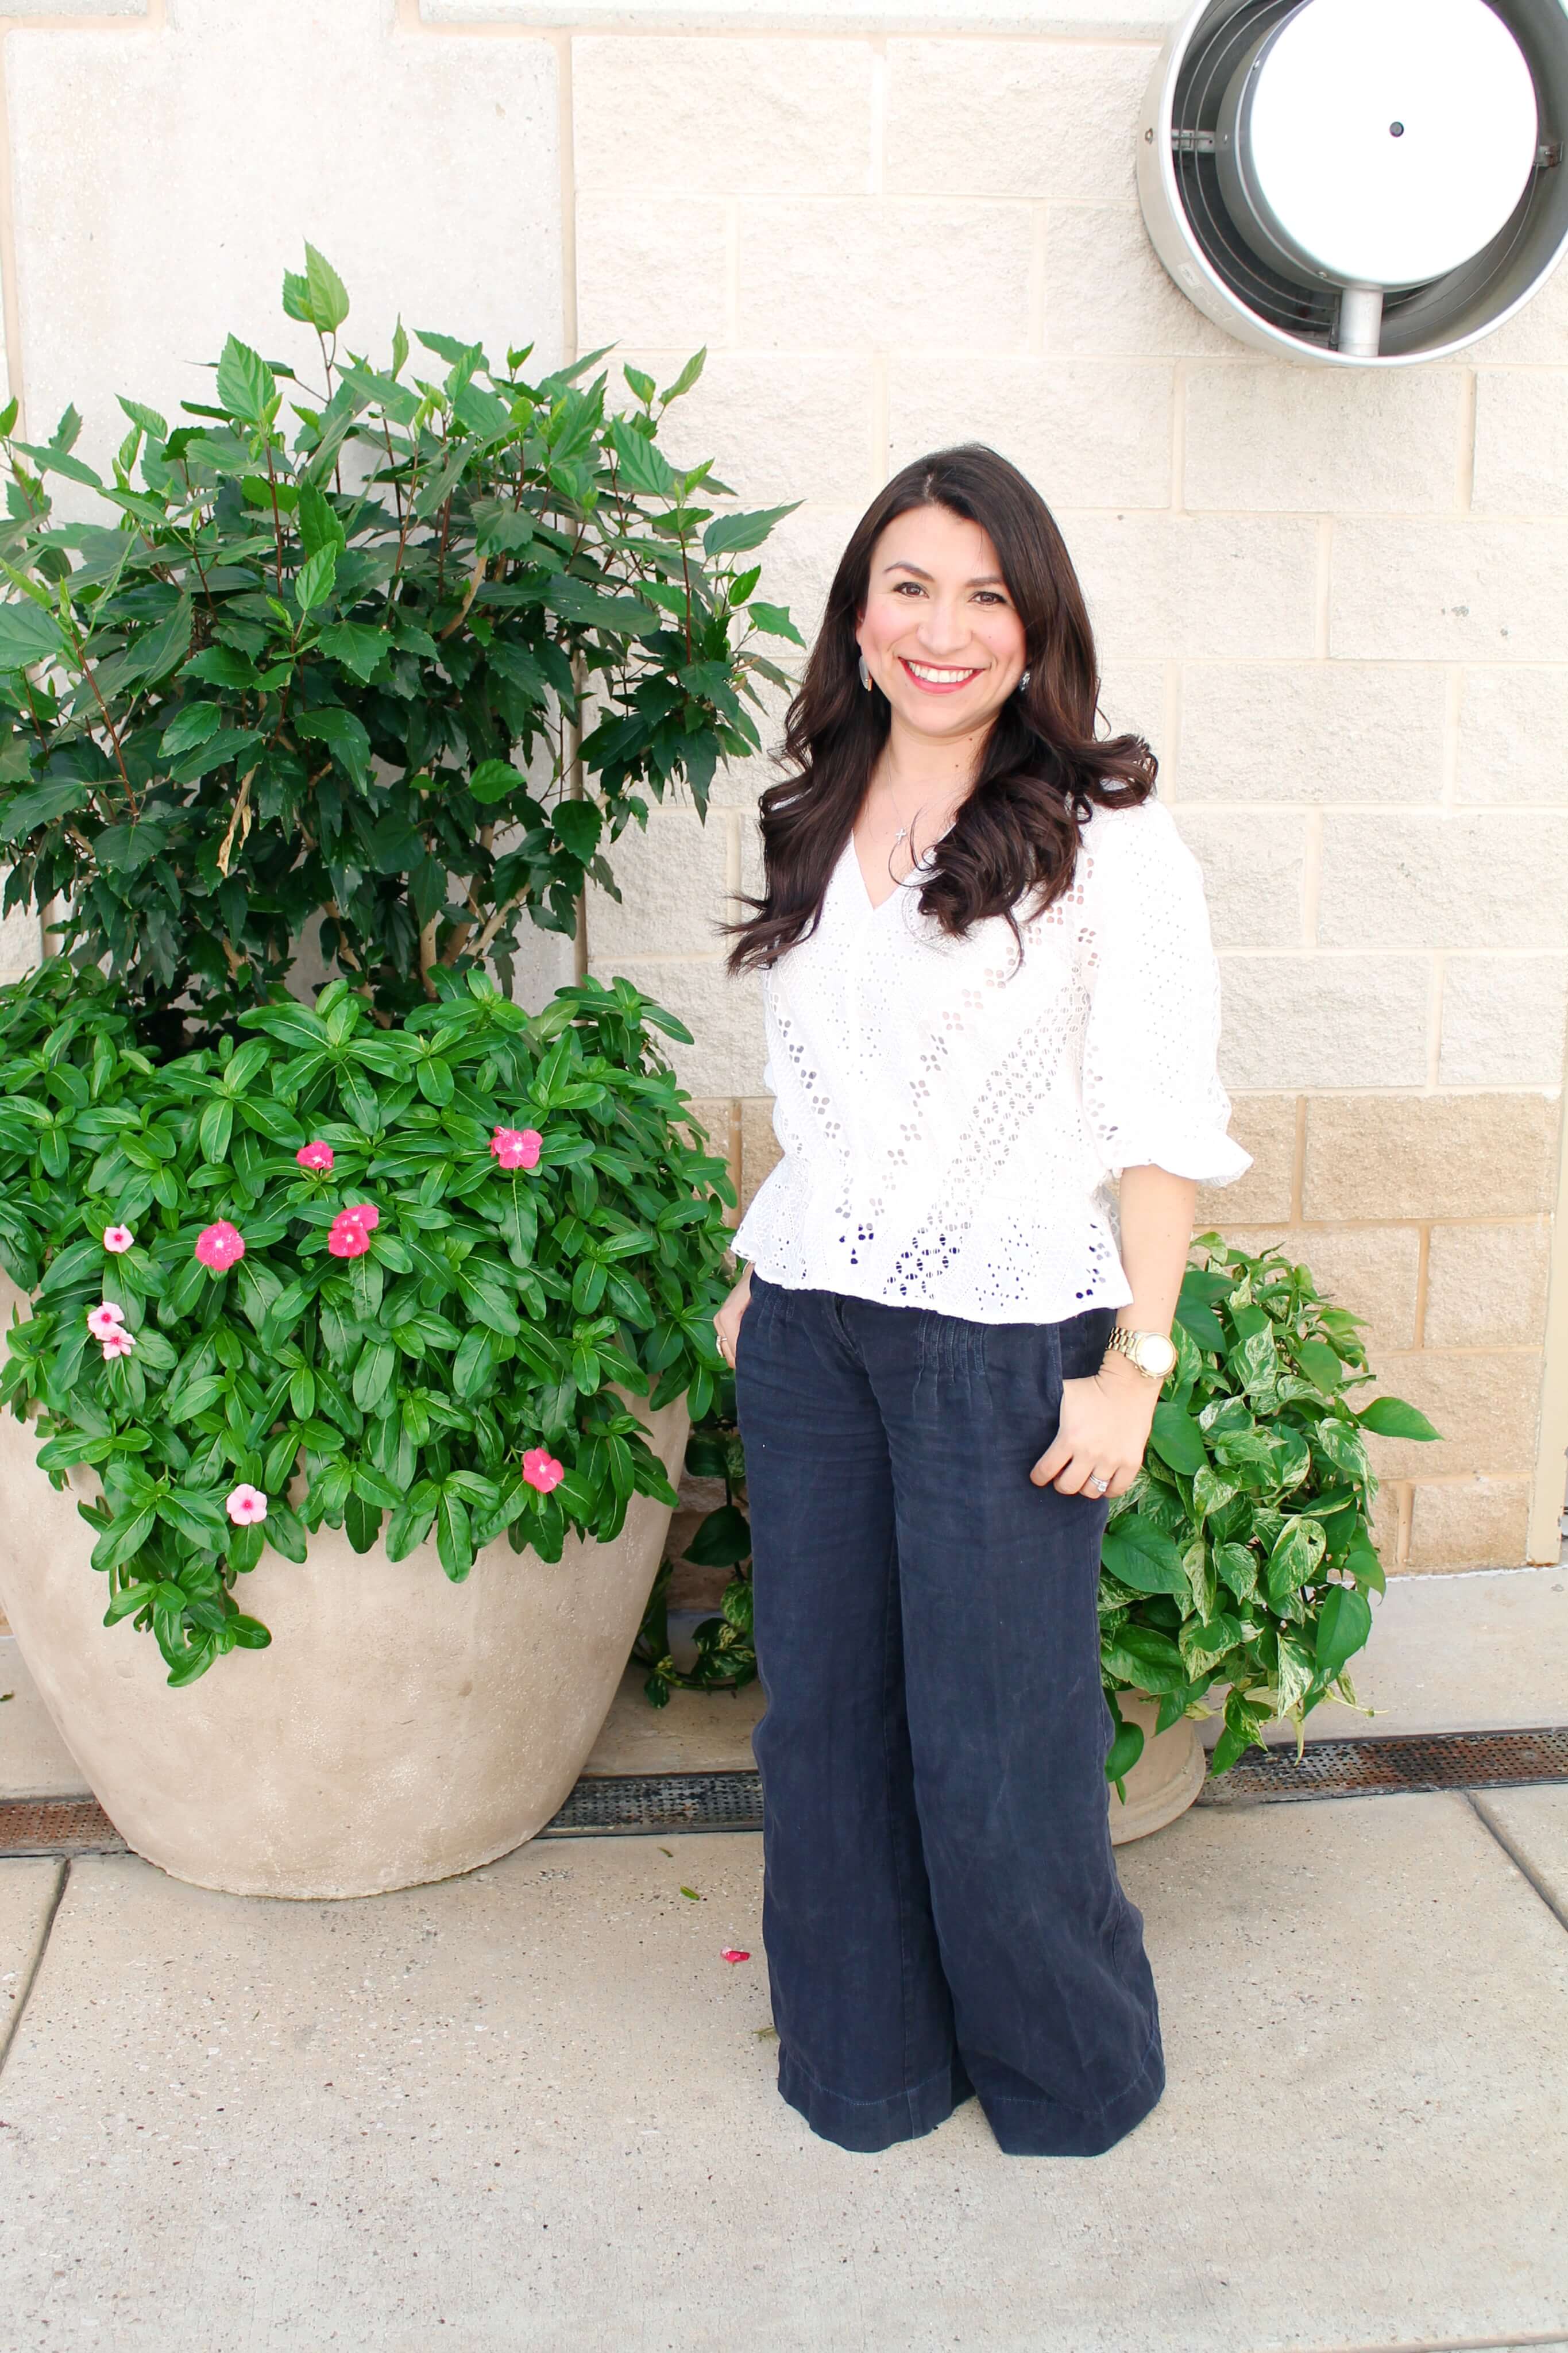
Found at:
(940, 631)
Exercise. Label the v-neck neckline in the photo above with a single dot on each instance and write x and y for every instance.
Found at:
(874, 906)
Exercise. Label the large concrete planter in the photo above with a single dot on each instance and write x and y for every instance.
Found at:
(399, 1729)
(1166, 1778)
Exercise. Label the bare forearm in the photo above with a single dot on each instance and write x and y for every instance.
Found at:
(1157, 1213)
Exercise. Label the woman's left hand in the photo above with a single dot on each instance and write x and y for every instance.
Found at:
(1102, 1434)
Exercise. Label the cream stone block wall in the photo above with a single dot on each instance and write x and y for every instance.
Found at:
(20, 939)
(1333, 601)
(1294, 603)
(164, 175)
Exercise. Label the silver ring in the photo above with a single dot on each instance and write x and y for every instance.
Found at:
(1100, 1486)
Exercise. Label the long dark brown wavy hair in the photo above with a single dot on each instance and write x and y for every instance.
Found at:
(1042, 766)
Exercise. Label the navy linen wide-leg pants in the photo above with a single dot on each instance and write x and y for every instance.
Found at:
(942, 1911)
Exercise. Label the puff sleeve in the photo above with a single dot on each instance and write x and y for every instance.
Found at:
(1152, 1090)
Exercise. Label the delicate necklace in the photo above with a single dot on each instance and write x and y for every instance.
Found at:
(905, 833)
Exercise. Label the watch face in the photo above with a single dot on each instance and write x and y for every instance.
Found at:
(1155, 1354)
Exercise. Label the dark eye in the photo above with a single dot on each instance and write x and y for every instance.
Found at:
(992, 596)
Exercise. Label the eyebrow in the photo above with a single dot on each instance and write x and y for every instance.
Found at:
(982, 580)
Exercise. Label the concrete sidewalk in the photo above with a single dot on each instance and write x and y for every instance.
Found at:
(534, 2108)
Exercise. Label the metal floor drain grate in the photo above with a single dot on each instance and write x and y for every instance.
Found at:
(645, 1805)
(637, 1805)
(56, 1826)
(1396, 1763)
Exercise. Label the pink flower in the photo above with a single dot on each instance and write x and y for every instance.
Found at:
(117, 1342)
(731, 1955)
(117, 1239)
(246, 1506)
(316, 1157)
(517, 1147)
(105, 1319)
(363, 1213)
(542, 1470)
(220, 1246)
(347, 1238)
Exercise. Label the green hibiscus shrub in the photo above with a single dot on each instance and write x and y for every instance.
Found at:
(391, 659)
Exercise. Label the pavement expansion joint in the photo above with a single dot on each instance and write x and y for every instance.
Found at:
(1520, 1860)
(646, 1805)
(11, 2026)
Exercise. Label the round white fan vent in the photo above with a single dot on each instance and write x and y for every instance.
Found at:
(1359, 182)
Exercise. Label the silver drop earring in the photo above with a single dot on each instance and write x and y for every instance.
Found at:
(1023, 682)
(865, 675)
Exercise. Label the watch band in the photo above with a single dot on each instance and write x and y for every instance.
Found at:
(1123, 1342)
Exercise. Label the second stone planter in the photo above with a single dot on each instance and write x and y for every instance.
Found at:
(1166, 1779)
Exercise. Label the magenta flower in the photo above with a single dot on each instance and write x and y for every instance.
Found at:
(220, 1246)
(517, 1147)
(117, 1342)
(541, 1468)
(346, 1237)
(363, 1213)
(246, 1506)
(104, 1319)
(117, 1239)
(316, 1157)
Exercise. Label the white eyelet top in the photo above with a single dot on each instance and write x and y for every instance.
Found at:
(950, 1124)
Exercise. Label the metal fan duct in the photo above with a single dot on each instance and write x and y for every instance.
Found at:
(1359, 183)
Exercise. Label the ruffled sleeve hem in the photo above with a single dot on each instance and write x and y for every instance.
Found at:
(1205, 1155)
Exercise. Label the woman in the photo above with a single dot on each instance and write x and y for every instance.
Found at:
(989, 989)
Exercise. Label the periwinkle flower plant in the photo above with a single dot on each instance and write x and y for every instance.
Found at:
(405, 1281)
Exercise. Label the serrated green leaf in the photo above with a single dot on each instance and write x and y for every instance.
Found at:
(26, 634)
(246, 384)
(734, 534)
(326, 296)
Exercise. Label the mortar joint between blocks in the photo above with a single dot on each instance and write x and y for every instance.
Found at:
(1324, 583)
(881, 431)
(1453, 710)
(877, 128)
(1312, 878)
(1465, 468)
(1178, 436)
(1035, 300)
(732, 272)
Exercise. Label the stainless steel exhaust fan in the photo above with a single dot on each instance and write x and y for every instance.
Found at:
(1359, 183)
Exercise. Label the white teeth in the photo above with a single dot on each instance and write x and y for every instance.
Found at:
(939, 677)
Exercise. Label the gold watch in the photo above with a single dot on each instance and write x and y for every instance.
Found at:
(1150, 1351)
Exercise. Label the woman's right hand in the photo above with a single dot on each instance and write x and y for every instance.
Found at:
(726, 1322)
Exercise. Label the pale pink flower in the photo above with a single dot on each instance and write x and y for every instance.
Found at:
(731, 1954)
(117, 1342)
(363, 1213)
(246, 1506)
(117, 1239)
(316, 1157)
(541, 1470)
(517, 1147)
(220, 1246)
(346, 1236)
(104, 1319)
